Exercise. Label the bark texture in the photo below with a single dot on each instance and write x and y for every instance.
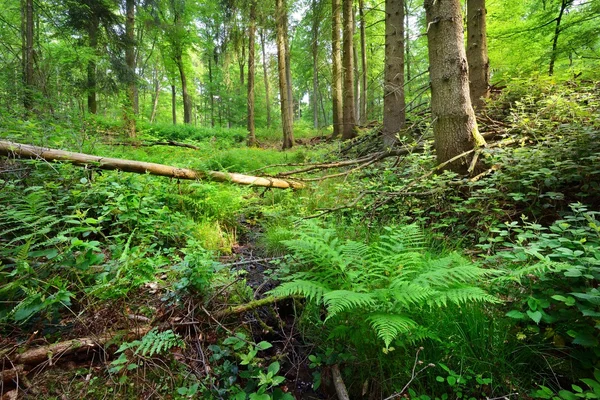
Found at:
(93, 27)
(394, 104)
(130, 106)
(251, 74)
(187, 101)
(364, 67)
(266, 77)
(19, 150)
(284, 92)
(477, 52)
(336, 80)
(454, 125)
(27, 29)
(349, 115)
(315, 57)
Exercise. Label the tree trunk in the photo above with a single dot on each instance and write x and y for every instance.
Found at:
(157, 79)
(454, 125)
(286, 106)
(407, 40)
(315, 56)
(211, 91)
(336, 81)
(394, 106)
(251, 53)
(18, 150)
(174, 104)
(27, 57)
(265, 77)
(563, 7)
(349, 117)
(94, 25)
(187, 101)
(363, 58)
(130, 106)
(357, 92)
(477, 53)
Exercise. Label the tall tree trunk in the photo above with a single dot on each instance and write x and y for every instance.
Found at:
(563, 7)
(211, 91)
(363, 59)
(130, 106)
(94, 25)
(251, 53)
(336, 80)
(477, 53)
(155, 96)
(394, 106)
(288, 67)
(286, 111)
(315, 56)
(407, 39)
(187, 101)
(27, 28)
(349, 119)
(174, 104)
(265, 77)
(357, 92)
(454, 125)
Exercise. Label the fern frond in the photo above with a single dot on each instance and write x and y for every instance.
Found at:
(539, 269)
(338, 301)
(312, 291)
(389, 326)
(448, 271)
(408, 294)
(463, 295)
(155, 342)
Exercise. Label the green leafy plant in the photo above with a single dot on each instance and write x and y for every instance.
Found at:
(384, 285)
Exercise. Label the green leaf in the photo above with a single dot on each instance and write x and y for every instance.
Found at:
(451, 380)
(515, 314)
(274, 368)
(536, 316)
(263, 345)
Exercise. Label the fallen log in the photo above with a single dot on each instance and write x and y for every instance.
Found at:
(165, 143)
(19, 150)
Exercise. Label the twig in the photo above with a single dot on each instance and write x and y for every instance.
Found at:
(414, 374)
(338, 382)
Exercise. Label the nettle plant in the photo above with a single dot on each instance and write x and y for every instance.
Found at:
(558, 269)
(382, 287)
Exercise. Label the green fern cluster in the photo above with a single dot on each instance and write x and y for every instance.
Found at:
(153, 343)
(385, 284)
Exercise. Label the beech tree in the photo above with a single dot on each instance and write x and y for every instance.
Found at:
(336, 65)
(394, 114)
(454, 125)
(349, 115)
(27, 33)
(477, 53)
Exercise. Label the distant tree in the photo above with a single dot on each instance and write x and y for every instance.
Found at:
(131, 106)
(315, 5)
(477, 52)
(27, 33)
(349, 115)
(336, 65)
(265, 77)
(394, 114)
(363, 61)
(564, 6)
(251, 73)
(454, 125)
(284, 84)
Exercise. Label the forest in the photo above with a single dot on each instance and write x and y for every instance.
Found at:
(300, 199)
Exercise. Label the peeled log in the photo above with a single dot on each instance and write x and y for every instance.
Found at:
(42, 153)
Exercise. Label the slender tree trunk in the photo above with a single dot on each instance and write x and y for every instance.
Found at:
(28, 53)
(407, 40)
(349, 118)
(286, 112)
(563, 7)
(336, 81)
(187, 101)
(174, 104)
(477, 54)
(315, 56)
(130, 107)
(454, 125)
(363, 59)
(211, 91)
(357, 92)
(155, 97)
(251, 53)
(94, 25)
(265, 77)
(288, 67)
(394, 106)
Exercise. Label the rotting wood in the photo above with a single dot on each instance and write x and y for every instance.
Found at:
(10, 375)
(338, 382)
(12, 149)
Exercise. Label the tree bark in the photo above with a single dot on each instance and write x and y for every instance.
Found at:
(349, 116)
(407, 40)
(477, 52)
(93, 26)
(28, 53)
(286, 106)
(130, 106)
(174, 104)
(394, 105)
(157, 88)
(251, 73)
(187, 101)
(315, 57)
(265, 77)
(12, 149)
(336, 81)
(454, 125)
(363, 58)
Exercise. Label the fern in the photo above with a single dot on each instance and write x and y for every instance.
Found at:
(384, 285)
(153, 343)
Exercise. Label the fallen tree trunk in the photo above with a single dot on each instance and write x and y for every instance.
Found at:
(164, 143)
(19, 150)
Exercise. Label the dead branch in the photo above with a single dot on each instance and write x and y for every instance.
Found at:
(250, 306)
(10, 375)
(338, 382)
(12, 149)
(165, 143)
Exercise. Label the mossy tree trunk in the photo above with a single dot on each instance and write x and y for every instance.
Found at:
(454, 125)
